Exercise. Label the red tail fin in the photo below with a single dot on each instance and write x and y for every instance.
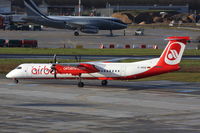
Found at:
(173, 52)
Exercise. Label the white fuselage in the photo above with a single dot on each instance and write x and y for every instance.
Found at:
(106, 70)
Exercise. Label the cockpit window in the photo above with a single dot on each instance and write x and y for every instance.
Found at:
(19, 67)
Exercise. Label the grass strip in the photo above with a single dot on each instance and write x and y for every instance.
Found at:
(62, 51)
(175, 76)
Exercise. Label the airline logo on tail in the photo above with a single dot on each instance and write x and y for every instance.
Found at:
(174, 53)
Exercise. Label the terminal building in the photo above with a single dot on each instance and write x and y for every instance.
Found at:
(62, 10)
(180, 9)
(57, 9)
(109, 9)
(52, 9)
(5, 7)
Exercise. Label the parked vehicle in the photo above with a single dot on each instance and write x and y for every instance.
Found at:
(1, 22)
(139, 32)
(37, 28)
(2, 42)
(14, 43)
(30, 43)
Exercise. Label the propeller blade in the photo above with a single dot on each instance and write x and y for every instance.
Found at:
(55, 74)
(79, 58)
(76, 58)
(51, 71)
(53, 67)
(54, 58)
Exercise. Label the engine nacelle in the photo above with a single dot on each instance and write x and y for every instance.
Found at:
(91, 30)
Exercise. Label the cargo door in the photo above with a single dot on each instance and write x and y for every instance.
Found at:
(30, 71)
(123, 70)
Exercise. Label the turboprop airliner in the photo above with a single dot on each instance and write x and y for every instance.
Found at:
(104, 71)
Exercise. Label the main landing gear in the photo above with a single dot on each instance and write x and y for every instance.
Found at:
(76, 33)
(80, 83)
(104, 82)
(111, 33)
(16, 81)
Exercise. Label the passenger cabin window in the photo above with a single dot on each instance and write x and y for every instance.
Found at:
(19, 67)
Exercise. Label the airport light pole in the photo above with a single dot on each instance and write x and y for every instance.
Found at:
(79, 8)
(109, 9)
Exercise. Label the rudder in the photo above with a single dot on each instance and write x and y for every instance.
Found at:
(173, 52)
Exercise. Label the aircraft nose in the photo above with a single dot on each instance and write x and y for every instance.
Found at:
(9, 75)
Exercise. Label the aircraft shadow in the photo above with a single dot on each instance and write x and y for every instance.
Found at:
(130, 86)
(54, 105)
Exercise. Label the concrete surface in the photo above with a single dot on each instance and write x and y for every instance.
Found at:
(60, 106)
(55, 38)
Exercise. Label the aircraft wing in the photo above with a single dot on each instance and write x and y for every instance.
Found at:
(110, 60)
(80, 68)
(93, 62)
(85, 28)
(75, 69)
(73, 25)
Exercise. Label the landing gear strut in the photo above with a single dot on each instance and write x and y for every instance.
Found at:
(76, 33)
(111, 33)
(16, 81)
(80, 83)
(104, 82)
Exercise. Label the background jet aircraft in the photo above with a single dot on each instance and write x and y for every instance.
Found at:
(85, 24)
(168, 62)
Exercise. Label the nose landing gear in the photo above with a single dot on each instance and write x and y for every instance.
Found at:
(76, 33)
(111, 33)
(16, 81)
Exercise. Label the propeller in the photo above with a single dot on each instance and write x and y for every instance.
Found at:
(53, 67)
